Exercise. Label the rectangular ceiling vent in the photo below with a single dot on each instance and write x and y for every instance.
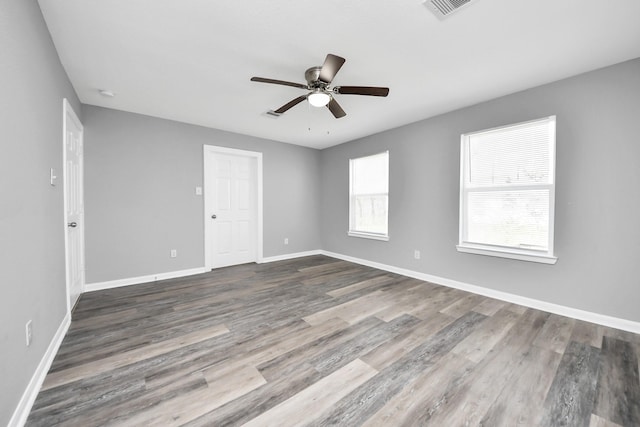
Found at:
(272, 114)
(444, 8)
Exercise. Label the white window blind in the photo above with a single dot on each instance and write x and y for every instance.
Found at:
(507, 191)
(369, 196)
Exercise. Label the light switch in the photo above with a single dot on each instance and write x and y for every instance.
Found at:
(198, 191)
(52, 177)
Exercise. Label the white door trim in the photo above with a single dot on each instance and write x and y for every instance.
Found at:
(67, 111)
(212, 149)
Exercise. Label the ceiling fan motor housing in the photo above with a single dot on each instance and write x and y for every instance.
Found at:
(312, 75)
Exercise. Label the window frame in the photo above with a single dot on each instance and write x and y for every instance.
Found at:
(352, 232)
(534, 255)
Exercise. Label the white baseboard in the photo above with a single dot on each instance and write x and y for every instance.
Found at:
(21, 413)
(289, 256)
(98, 286)
(600, 319)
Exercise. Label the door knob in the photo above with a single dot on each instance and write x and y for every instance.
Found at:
(72, 224)
(214, 216)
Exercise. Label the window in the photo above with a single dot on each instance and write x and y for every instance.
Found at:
(369, 196)
(507, 191)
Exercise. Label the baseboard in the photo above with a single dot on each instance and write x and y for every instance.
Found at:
(289, 256)
(587, 316)
(21, 413)
(98, 286)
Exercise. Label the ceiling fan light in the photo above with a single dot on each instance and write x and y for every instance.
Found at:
(319, 99)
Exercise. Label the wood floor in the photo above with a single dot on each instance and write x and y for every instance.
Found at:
(318, 341)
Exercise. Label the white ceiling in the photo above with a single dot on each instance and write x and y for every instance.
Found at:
(191, 60)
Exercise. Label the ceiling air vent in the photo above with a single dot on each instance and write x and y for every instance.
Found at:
(444, 8)
(272, 114)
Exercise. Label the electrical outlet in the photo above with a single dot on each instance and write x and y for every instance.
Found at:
(416, 254)
(29, 332)
(286, 240)
(174, 253)
(52, 177)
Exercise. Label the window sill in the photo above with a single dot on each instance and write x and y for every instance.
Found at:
(522, 256)
(368, 236)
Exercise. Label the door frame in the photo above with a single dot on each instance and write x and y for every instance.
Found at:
(208, 167)
(67, 111)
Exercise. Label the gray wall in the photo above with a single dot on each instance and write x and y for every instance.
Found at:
(140, 179)
(597, 238)
(32, 281)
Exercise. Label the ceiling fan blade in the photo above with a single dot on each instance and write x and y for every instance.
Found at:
(361, 90)
(278, 82)
(336, 109)
(330, 68)
(290, 104)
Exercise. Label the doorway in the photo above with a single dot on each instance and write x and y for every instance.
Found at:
(73, 194)
(232, 206)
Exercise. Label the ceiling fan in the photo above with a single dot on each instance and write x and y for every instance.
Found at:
(320, 95)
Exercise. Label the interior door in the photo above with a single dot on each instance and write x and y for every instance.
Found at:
(233, 209)
(74, 204)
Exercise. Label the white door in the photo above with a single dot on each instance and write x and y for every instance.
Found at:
(231, 207)
(74, 204)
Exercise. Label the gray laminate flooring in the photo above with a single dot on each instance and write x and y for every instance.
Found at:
(318, 341)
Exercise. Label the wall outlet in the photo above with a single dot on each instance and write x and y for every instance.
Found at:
(286, 240)
(416, 254)
(174, 253)
(29, 332)
(53, 176)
